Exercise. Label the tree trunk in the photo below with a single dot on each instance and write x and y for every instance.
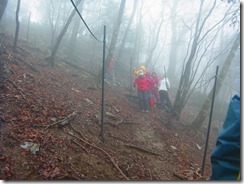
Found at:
(197, 123)
(17, 26)
(75, 31)
(127, 30)
(113, 40)
(137, 46)
(72, 41)
(185, 78)
(51, 58)
(3, 4)
(148, 62)
(174, 48)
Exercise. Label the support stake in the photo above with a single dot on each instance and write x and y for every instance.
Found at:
(210, 121)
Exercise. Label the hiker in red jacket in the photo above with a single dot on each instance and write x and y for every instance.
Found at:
(151, 86)
(143, 84)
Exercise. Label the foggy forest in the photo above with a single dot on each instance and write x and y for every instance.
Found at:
(70, 106)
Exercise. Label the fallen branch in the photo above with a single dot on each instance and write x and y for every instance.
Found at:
(80, 145)
(179, 176)
(79, 132)
(23, 93)
(118, 138)
(100, 149)
(60, 123)
(141, 149)
(18, 88)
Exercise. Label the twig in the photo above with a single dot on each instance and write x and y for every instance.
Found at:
(18, 88)
(64, 121)
(141, 149)
(150, 174)
(83, 137)
(80, 145)
(179, 176)
(100, 149)
(118, 138)
(23, 94)
(61, 122)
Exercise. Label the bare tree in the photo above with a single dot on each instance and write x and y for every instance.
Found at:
(3, 4)
(113, 39)
(197, 123)
(75, 30)
(153, 47)
(187, 71)
(51, 58)
(127, 30)
(174, 46)
(17, 26)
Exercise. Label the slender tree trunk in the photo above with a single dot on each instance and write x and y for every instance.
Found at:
(3, 4)
(28, 28)
(72, 41)
(174, 47)
(51, 58)
(75, 31)
(113, 40)
(17, 26)
(185, 78)
(197, 123)
(155, 44)
(127, 30)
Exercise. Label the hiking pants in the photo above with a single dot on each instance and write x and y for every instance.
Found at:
(164, 99)
(143, 100)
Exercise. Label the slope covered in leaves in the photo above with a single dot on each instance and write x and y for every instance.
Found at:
(50, 126)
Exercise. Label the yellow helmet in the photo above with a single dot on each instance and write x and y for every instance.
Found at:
(143, 68)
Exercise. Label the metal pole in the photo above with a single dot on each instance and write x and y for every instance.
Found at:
(210, 120)
(103, 71)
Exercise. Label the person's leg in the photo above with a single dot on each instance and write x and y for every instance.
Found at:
(161, 95)
(140, 96)
(147, 95)
(145, 100)
(168, 102)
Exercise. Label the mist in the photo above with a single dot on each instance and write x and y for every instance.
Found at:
(159, 35)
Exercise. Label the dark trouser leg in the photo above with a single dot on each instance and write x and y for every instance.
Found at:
(162, 98)
(168, 102)
(141, 99)
(145, 101)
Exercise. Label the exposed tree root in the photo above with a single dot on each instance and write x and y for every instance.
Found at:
(141, 149)
(100, 149)
(60, 123)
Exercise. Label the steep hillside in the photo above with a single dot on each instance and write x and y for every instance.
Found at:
(50, 126)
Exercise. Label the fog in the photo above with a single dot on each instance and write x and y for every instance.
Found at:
(181, 36)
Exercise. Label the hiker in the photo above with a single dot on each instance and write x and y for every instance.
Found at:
(164, 85)
(225, 158)
(146, 72)
(135, 72)
(151, 86)
(143, 85)
(155, 91)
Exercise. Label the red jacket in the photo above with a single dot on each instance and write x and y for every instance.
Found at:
(143, 83)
